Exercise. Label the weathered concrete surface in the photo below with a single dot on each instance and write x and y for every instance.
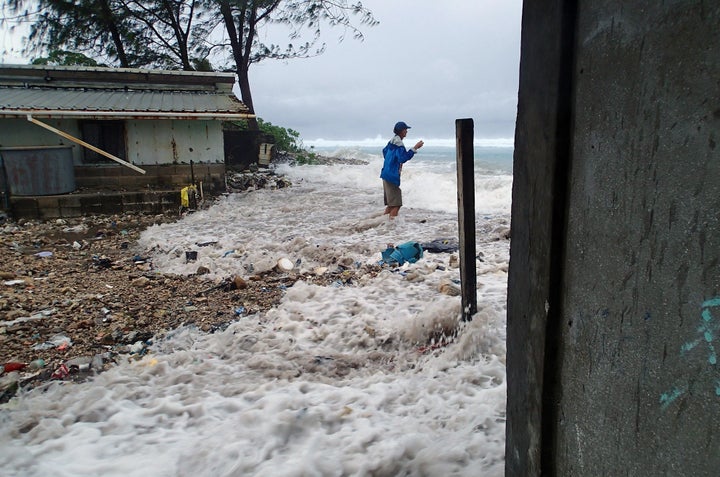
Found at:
(541, 157)
(616, 372)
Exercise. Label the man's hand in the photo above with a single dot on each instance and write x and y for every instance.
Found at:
(418, 145)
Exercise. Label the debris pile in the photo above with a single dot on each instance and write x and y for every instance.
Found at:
(77, 297)
(254, 180)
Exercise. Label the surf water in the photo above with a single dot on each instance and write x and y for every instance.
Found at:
(341, 380)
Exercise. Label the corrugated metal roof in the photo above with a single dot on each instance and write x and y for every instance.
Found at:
(20, 101)
(117, 93)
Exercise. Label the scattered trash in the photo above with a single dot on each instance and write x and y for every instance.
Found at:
(441, 246)
(449, 288)
(10, 367)
(188, 197)
(97, 363)
(60, 373)
(14, 282)
(190, 256)
(37, 364)
(229, 252)
(137, 348)
(409, 252)
(239, 311)
(44, 254)
(60, 342)
(81, 363)
(205, 244)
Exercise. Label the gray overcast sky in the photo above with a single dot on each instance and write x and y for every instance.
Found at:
(427, 63)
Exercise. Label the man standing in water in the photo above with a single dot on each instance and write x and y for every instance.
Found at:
(395, 156)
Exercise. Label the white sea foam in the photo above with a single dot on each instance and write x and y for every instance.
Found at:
(380, 141)
(338, 380)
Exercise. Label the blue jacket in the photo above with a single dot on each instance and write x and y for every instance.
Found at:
(395, 154)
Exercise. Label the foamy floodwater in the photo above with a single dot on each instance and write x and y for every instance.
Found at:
(341, 380)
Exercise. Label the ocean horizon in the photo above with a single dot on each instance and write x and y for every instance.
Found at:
(500, 142)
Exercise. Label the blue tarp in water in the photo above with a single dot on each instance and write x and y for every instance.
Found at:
(406, 252)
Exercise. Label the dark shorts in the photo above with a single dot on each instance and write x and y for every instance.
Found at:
(392, 194)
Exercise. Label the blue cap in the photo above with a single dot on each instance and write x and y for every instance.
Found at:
(400, 126)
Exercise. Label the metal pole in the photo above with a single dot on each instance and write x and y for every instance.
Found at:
(464, 131)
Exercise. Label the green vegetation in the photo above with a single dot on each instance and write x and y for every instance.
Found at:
(65, 58)
(286, 140)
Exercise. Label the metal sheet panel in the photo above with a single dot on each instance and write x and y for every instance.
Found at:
(38, 170)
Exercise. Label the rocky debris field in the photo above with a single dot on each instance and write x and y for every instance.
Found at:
(77, 297)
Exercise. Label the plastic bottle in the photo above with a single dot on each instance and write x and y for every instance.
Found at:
(37, 364)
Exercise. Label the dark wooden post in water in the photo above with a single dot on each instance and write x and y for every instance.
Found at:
(466, 215)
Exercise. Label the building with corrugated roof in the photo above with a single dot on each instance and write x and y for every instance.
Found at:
(117, 128)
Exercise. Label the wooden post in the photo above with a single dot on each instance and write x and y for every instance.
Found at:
(83, 143)
(466, 215)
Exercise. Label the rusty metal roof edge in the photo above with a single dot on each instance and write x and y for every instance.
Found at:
(69, 114)
(45, 71)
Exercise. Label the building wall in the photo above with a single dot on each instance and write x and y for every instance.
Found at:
(149, 142)
(21, 132)
(174, 141)
(614, 280)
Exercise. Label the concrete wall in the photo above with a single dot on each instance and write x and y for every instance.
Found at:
(614, 282)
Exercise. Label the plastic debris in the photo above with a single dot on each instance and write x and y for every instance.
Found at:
(61, 372)
(191, 256)
(81, 363)
(10, 367)
(14, 282)
(137, 348)
(409, 252)
(44, 254)
(441, 246)
(37, 364)
(60, 342)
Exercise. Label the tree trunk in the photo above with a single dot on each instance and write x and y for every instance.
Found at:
(110, 24)
(246, 95)
(241, 54)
